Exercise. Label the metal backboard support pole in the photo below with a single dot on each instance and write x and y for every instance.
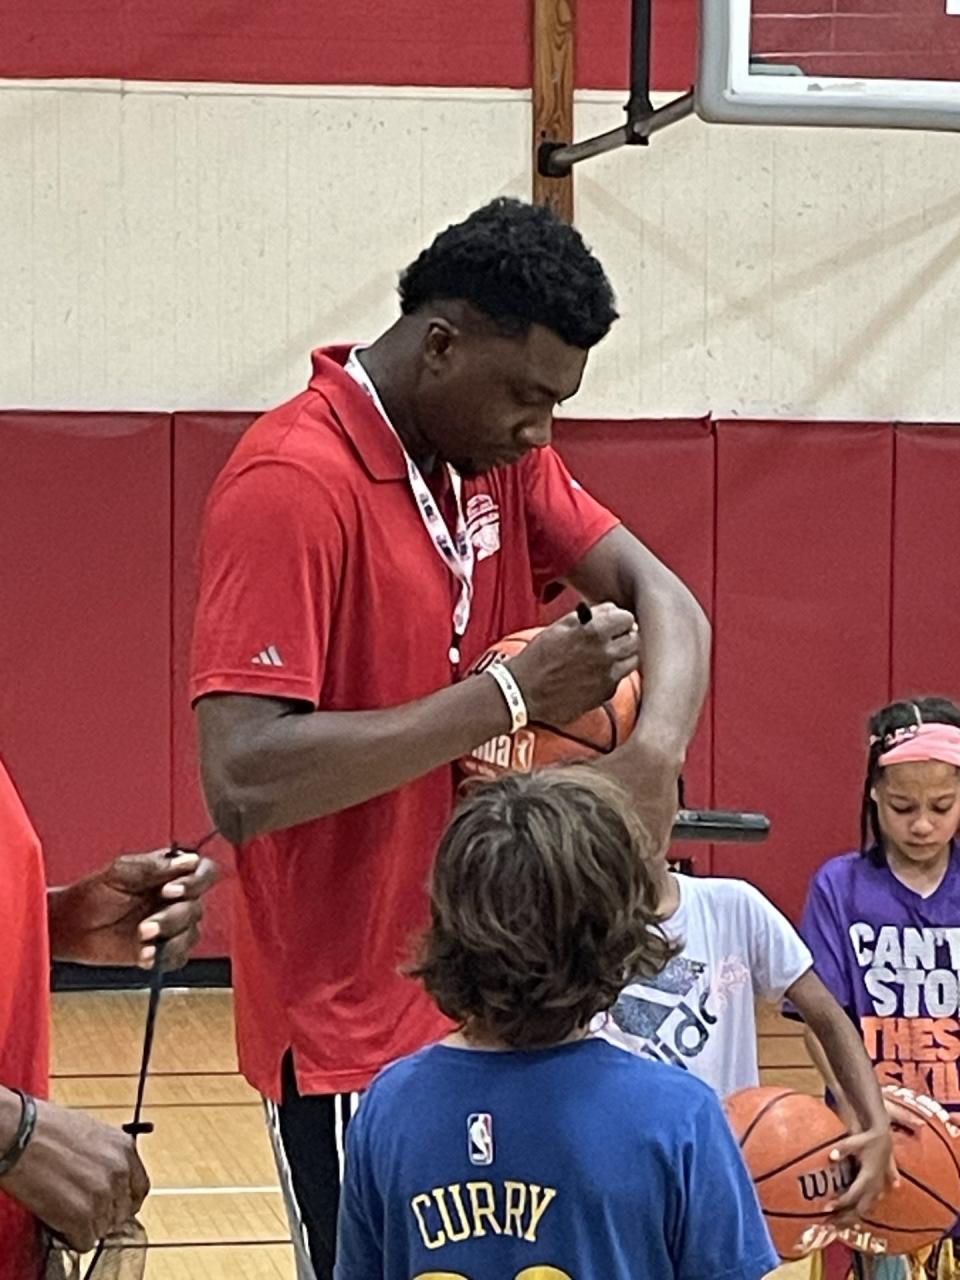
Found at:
(556, 159)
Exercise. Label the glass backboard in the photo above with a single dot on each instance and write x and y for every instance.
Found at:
(868, 63)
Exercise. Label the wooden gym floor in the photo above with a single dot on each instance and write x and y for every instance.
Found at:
(215, 1212)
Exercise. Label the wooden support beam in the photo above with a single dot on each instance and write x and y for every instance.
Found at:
(554, 25)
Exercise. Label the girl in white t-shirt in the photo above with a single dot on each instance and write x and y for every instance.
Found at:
(699, 1012)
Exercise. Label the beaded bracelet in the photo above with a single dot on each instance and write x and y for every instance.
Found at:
(28, 1122)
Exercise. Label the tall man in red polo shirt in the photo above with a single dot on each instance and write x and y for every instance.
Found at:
(80, 1177)
(364, 543)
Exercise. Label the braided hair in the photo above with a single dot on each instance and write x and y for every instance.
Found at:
(883, 725)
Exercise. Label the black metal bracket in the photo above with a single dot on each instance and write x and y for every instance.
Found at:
(556, 159)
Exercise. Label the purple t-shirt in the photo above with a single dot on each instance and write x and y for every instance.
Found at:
(892, 959)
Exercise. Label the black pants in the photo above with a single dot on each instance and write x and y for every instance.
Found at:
(309, 1136)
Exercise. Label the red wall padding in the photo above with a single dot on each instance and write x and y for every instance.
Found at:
(926, 562)
(801, 636)
(405, 42)
(825, 554)
(201, 445)
(659, 478)
(412, 42)
(603, 44)
(85, 630)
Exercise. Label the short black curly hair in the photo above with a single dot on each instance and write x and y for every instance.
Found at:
(518, 264)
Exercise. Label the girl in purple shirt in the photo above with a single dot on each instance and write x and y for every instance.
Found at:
(883, 923)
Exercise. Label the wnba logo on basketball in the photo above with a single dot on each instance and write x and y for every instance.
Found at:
(506, 753)
(596, 733)
(818, 1183)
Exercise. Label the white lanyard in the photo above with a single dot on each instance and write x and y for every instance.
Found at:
(455, 550)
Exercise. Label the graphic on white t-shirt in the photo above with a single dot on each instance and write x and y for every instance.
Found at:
(732, 977)
(699, 1012)
(675, 1012)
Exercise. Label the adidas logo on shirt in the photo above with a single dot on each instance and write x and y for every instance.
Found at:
(267, 658)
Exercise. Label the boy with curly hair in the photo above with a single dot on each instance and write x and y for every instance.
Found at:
(520, 1147)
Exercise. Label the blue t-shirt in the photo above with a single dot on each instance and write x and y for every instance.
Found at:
(580, 1162)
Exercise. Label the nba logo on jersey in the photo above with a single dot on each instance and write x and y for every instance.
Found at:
(480, 1138)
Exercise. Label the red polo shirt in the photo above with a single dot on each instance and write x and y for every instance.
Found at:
(319, 583)
(24, 1001)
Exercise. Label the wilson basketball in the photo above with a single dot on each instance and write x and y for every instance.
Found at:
(595, 734)
(926, 1205)
(786, 1139)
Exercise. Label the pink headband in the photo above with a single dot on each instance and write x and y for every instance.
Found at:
(920, 742)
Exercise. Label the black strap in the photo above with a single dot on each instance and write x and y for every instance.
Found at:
(137, 1126)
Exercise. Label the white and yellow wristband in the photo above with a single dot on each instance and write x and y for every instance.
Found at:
(512, 694)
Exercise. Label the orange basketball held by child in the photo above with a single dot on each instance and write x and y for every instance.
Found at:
(596, 733)
(786, 1139)
(926, 1204)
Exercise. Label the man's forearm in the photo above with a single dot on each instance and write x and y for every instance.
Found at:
(674, 634)
(274, 773)
(675, 644)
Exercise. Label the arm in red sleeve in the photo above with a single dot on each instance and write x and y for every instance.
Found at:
(273, 550)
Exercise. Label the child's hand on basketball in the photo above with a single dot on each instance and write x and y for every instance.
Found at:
(900, 1115)
(872, 1153)
(571, 667)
